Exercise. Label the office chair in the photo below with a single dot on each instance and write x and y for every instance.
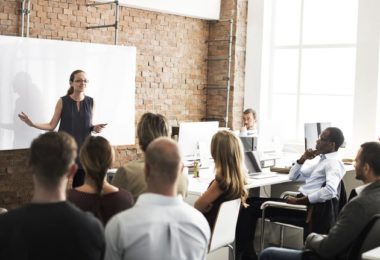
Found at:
(368, 239)
(328, 208)
(223, 233)
(281, 205)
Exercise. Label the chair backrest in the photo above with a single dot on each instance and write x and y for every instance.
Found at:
(342, 195)
(225, 224)
(368, 239)
(329, 210)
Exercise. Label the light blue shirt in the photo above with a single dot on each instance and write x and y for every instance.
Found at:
(328, 168)
(157, 227)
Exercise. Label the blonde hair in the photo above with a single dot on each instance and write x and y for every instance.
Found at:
(227, 152)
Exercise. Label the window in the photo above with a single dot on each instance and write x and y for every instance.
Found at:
(302, 65)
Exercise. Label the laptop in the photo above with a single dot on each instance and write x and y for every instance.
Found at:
(252, 162)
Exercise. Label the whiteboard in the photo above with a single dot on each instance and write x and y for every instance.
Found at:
(34, 74)
(201, 9)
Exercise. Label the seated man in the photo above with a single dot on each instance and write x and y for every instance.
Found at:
(353, 217)
(50, 227)
(160, 225)
(249, 121)
(322, 178)
(131, 176)
(322, 182)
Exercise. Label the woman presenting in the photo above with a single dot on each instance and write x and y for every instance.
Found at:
(74, 112)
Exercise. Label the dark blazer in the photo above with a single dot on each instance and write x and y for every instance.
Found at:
(351, 221)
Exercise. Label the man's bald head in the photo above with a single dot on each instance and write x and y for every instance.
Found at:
(162, 161)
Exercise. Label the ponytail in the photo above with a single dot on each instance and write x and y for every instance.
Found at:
(96, 155)
(70, 91)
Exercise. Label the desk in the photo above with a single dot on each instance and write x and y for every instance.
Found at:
(373, 254)
(197, 186)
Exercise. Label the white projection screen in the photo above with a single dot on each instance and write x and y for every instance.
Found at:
(34, 74)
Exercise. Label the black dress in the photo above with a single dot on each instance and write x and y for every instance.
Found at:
(78, 124)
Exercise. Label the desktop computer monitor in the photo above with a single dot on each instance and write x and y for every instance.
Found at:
(312, 133)
(252, 162)
(196, 137)
(249, 143)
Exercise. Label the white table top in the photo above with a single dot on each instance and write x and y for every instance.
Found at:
(373, 254)
(199, 185)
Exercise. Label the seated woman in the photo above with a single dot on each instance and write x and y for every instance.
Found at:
(96, 194)
(229, 182)
(131, 176)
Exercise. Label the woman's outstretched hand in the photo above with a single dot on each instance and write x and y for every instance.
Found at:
(25, 119)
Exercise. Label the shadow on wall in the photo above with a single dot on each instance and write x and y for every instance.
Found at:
(28, 100)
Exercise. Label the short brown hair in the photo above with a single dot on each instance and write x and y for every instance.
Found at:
(51, 155)
(370, 154)
(250, 111)
(150, 127)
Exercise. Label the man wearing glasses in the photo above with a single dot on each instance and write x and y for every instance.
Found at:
(322, 171)
(321, 175)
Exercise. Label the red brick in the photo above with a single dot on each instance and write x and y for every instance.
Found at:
(170, 75)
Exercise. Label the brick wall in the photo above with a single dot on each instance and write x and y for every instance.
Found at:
(218, 70)
(171, 75)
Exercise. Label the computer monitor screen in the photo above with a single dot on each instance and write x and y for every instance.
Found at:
(312, 132)
(252, 162)
(194, 136)
(249, 143)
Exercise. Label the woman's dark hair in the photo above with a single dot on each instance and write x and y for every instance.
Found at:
(96, 156)
(72, 76)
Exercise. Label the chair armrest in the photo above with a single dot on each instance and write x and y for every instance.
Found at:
(282, 205)
(276, 204)
(289, 193)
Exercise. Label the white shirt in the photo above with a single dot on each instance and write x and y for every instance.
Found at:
(329, 168)
(360, 188)
(157, 227)
(249, 132)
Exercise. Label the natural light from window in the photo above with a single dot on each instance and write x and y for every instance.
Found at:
(308, 66)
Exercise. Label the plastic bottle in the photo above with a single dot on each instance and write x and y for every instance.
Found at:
(196, 169)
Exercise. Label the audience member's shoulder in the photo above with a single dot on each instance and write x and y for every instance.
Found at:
(121, 218)
(85, 218)
(133, 167)
(193, 212)
(12, 215)
(126, 196)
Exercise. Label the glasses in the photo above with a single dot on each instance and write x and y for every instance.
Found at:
(324, 139)
(82, 81)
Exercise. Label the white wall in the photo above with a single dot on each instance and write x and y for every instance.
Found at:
(34, 73)
(202, 9)
(367, 73)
